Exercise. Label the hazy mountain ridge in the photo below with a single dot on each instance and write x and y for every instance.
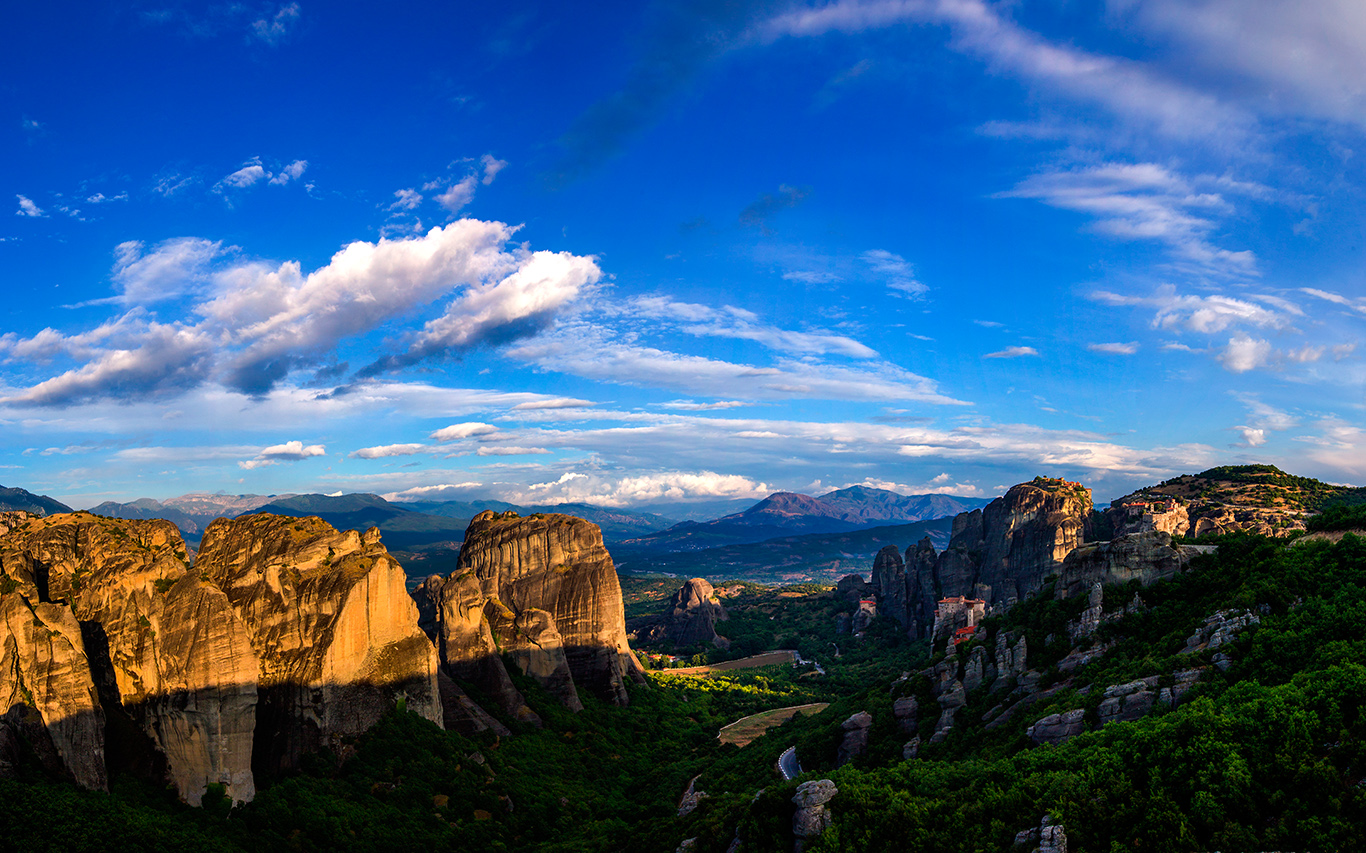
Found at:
(22, 500)
(791, 514)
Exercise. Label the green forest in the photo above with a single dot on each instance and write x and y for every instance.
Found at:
(1265, 754)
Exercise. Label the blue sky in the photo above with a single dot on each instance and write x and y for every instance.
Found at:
(647, 252)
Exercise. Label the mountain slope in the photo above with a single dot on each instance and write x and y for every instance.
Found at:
(15, 499)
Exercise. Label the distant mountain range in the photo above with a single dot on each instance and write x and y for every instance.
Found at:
(791, 514)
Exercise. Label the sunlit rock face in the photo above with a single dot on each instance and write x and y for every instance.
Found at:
(543, 589)
(331, 622)
(284, 635)
(45, 683)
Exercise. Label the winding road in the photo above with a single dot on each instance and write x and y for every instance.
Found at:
(787, 764)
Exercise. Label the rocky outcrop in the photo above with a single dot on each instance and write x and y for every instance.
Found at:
(1026, 536)
(906, 711)
(1047, 838)
(1011, 661)
(863, 617)
(812, 817)
(853, 589)
(1144, 557)
(1091, 617)
(44, 671)
(1057, 728)
(1128, 702)
(690, 617)
(544, 589)
(328, 615)
(287, 635)
(889, 584)
(855, 739)
(1219, 629)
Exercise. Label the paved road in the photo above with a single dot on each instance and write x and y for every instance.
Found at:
(787, 764)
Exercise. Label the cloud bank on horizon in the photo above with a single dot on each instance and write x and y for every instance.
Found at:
(681, 251)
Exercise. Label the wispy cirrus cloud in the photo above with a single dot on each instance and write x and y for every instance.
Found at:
(1206, 313)
(1116, 348)
(731, 322)
(1146, 202)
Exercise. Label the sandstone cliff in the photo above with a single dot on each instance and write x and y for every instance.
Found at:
(329, 617)
(285, 635)
(544, 590)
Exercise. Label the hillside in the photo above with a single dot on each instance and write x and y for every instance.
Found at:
(15, 499)
(1255, 498)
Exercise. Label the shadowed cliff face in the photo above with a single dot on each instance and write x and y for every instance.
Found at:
(1000, 554)
(285, 634)
(689, 618)
(542, 589)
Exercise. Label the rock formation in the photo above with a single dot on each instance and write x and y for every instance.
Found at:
(889, 584)
(811, 817)
(690, 617)
(998, 554)
(855, 739)
(285, 636)
(1057, 728)
(1145, 557)
(852, 589)
(543, 589)
(1128, 702)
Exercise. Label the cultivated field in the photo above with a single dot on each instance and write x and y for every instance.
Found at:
(746, 729)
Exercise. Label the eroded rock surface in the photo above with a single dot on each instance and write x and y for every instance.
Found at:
(545, 588)
(329, 617)
(855, 739)
(285, 635)
(1145, 557)
(690, 617)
